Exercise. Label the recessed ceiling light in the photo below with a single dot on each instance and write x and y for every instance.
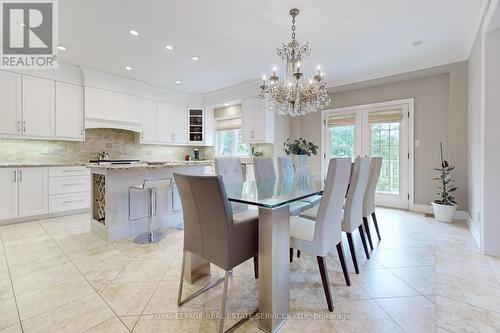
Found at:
(62, 48)
(128, 68)
(21, 24)
(226, 104)
(134, 33)
(417, 43)
(169, 47)
(178, 82)
(195, 58)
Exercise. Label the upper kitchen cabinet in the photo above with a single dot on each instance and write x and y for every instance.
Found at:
(69, 111)
(111, 109)
(172, 124)
(38, 107)
(10, 110)
(257, 122)
(149, 111)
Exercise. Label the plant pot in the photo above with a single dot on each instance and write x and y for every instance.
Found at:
(444, 213)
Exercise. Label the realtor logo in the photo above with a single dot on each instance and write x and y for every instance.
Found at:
(29, 34)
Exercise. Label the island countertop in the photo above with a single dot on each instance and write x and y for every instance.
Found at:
(152, 165)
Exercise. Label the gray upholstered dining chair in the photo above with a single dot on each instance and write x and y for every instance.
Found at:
(369, 198)
(230, 170)
(286, 169)
(353, 208)
(264, 172)
(210, 231)
(319, 237)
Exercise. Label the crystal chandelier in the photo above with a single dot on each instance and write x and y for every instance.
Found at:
(296, 93)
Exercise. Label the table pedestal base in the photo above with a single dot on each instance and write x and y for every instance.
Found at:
(274, 268)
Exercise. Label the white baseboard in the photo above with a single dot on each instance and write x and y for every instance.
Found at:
(427, 209)
(475, 229)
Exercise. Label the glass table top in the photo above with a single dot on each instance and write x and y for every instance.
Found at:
(273, 192)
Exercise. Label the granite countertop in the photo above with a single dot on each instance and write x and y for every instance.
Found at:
(35, 165)
(152, 165)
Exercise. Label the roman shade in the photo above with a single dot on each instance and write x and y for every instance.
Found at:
(228, 124)
(386, 116)
(341, 120)
(228, 112)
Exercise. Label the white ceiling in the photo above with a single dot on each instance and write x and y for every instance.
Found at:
(236, 40)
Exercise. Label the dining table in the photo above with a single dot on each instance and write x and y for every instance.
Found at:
(272, 197)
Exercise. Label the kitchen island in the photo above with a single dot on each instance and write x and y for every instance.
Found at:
(110, 197)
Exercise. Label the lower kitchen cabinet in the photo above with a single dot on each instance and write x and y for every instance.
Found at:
(33, 191)
(8, 193)
(42, 191)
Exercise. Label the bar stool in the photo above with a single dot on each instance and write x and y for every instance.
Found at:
(149, 185)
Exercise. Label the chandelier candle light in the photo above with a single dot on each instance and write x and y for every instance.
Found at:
(295, 94)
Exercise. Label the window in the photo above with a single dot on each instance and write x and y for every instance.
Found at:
(385, 144)
(343, 141)
(229, 143)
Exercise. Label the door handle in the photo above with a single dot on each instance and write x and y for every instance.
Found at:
(24, 126)
(15, 176)
(20, 176)
(19, 126)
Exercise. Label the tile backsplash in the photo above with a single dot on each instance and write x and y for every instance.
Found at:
(118, 143)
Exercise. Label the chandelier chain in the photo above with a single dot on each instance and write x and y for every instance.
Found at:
(293, 28)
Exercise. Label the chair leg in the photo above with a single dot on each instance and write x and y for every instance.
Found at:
(324, 278)
(223, 308)
(298, 253)
(363, 240)
(256, 266)
(368, 234)
(181, 282)
(291, 255)
(374, 217)
(340, 252)
(353, 252)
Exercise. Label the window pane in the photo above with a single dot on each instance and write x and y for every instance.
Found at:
(385, 143)
(229, 143)
(343, 141)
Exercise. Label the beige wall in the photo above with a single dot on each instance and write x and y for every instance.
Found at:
(119, 143)
(440, 116)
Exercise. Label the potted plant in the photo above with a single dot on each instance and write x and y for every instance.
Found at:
(300, 149)
(445, 207)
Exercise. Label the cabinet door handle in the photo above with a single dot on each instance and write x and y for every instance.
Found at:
(81, 130)
(73, 184)
(19, 126)
(15, 176)
(24, 126)
(20, 176)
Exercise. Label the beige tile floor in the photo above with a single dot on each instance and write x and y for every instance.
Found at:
(55, 276)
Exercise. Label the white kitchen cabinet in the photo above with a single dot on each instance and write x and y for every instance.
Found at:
(8, 194)
(10, 97)
(257, 122)
(165, 126)
(38, 107)
(33, 191)
(180, 128)
(149, 111)
(172, 124)
(69, 111)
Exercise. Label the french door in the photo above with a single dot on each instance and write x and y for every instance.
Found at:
(377, 130)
